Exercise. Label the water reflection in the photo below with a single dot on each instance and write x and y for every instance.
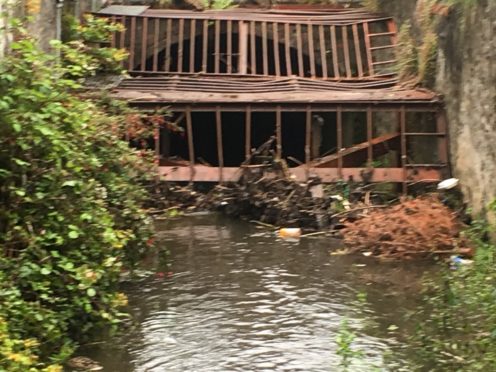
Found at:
(241, 300)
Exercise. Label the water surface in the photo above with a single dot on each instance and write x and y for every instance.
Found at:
(237, 298)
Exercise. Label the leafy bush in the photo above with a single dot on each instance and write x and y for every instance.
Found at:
(457, 327)
(72, 214)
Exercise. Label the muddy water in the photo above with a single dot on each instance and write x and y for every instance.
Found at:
(235, 298)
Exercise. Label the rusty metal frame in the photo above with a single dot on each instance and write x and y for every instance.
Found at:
(261, 27)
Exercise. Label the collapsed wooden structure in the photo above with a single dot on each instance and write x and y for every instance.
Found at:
(322, 81)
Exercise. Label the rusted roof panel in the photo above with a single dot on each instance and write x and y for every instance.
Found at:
(208, 89)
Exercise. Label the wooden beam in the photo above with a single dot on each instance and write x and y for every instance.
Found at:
(192, 40)
(369, 138)
(287, 47)
(220, 148)
(278, 133)
(346, 48)
(323, 51)
(243, 48)
(180, 43)
(334, 52)
(275, 39)
(308, 139)
(156, 31)
(247, 132)
(205, 47)
(265, 56)
(229, 47)
(311, 50)
(357, 51)
(168, 42)
(339, 122)
(144, 43)
(191, 147)
(299, 46)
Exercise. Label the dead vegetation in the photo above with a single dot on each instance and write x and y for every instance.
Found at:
(411, 229)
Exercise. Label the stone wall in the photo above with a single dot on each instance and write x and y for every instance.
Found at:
(466, 76)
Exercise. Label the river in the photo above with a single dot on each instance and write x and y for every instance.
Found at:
(234, 297)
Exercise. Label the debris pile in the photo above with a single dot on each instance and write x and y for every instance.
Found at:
(412, 228)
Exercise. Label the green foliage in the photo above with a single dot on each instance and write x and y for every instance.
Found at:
(458, 332)
(407, 54)
(72, 216)
(344, 340)
(218, 4)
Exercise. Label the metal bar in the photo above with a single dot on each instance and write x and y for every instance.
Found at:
(339, 124)
(248, 132)
(168, 41)
(367, 48)
(403, 147)
(180, 43)
(156, 31)
(144, 42)
(205, 47)
(311, 50)
(346, 48)
(308, 139)
(393, 30)
(382, 34)
(383, 47)
(253, 66)
(191, 148)
(156, 137)
(334, 52)
(299, 46)
(384, 62)
(278, 132)
(192, 40)
(132, 44)
(370, 152)
(229, 47)
(323, 57)
(243, 47)
(220, 148)
(357, 50)
(275, 39)
(287, 47)
(264, 49)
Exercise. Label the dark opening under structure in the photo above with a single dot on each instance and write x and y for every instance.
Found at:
(321, 81)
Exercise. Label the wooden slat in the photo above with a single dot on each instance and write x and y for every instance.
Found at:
(220, 147)
(367, 48)
(191, 148)
(122, 36)
(311, 50)
(168, 41)
(275, 38)
(442, 129)
(156, 31)
(229, 47)
(180, 43)
(299, 46)
(393, 30)
(358, 54)
(144, 43)
(265, 56)
(278, 132)
(370, 149)
(253, 49)
(243, 47)
(132, 44)
(287, 47)
(323, 55)
(192, 41)
(334, 52)
(205, 47)
(346, 48)
(339, 122)
(248, 132)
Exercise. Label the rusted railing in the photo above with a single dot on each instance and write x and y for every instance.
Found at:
(193, 42)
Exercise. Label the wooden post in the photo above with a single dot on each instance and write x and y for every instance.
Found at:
(370, 149)
(156, 31)
(229, 47)
(248, 132)
(357, 50)
(287, 47)
(205, 47)
(220, 149)
(308, 140)
(253, 65)
(334, 52)
(299, 46)
(265, 56)
(144, 42)
(191, 148)
(243, 48)
(168, 42)
(323, 54)
(442, 130)
(192, 37)
(339, 124)
(278, 132)
(311, 50)
(367, 48)
(180, 43)
(346, 48)
(403, 147)
(275, 39)
(132, 44)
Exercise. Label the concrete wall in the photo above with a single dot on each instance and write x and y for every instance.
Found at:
(466, 76)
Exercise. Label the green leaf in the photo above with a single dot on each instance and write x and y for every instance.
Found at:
(73, 234)
(71, 183)
(45, 271)
(91, 292)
